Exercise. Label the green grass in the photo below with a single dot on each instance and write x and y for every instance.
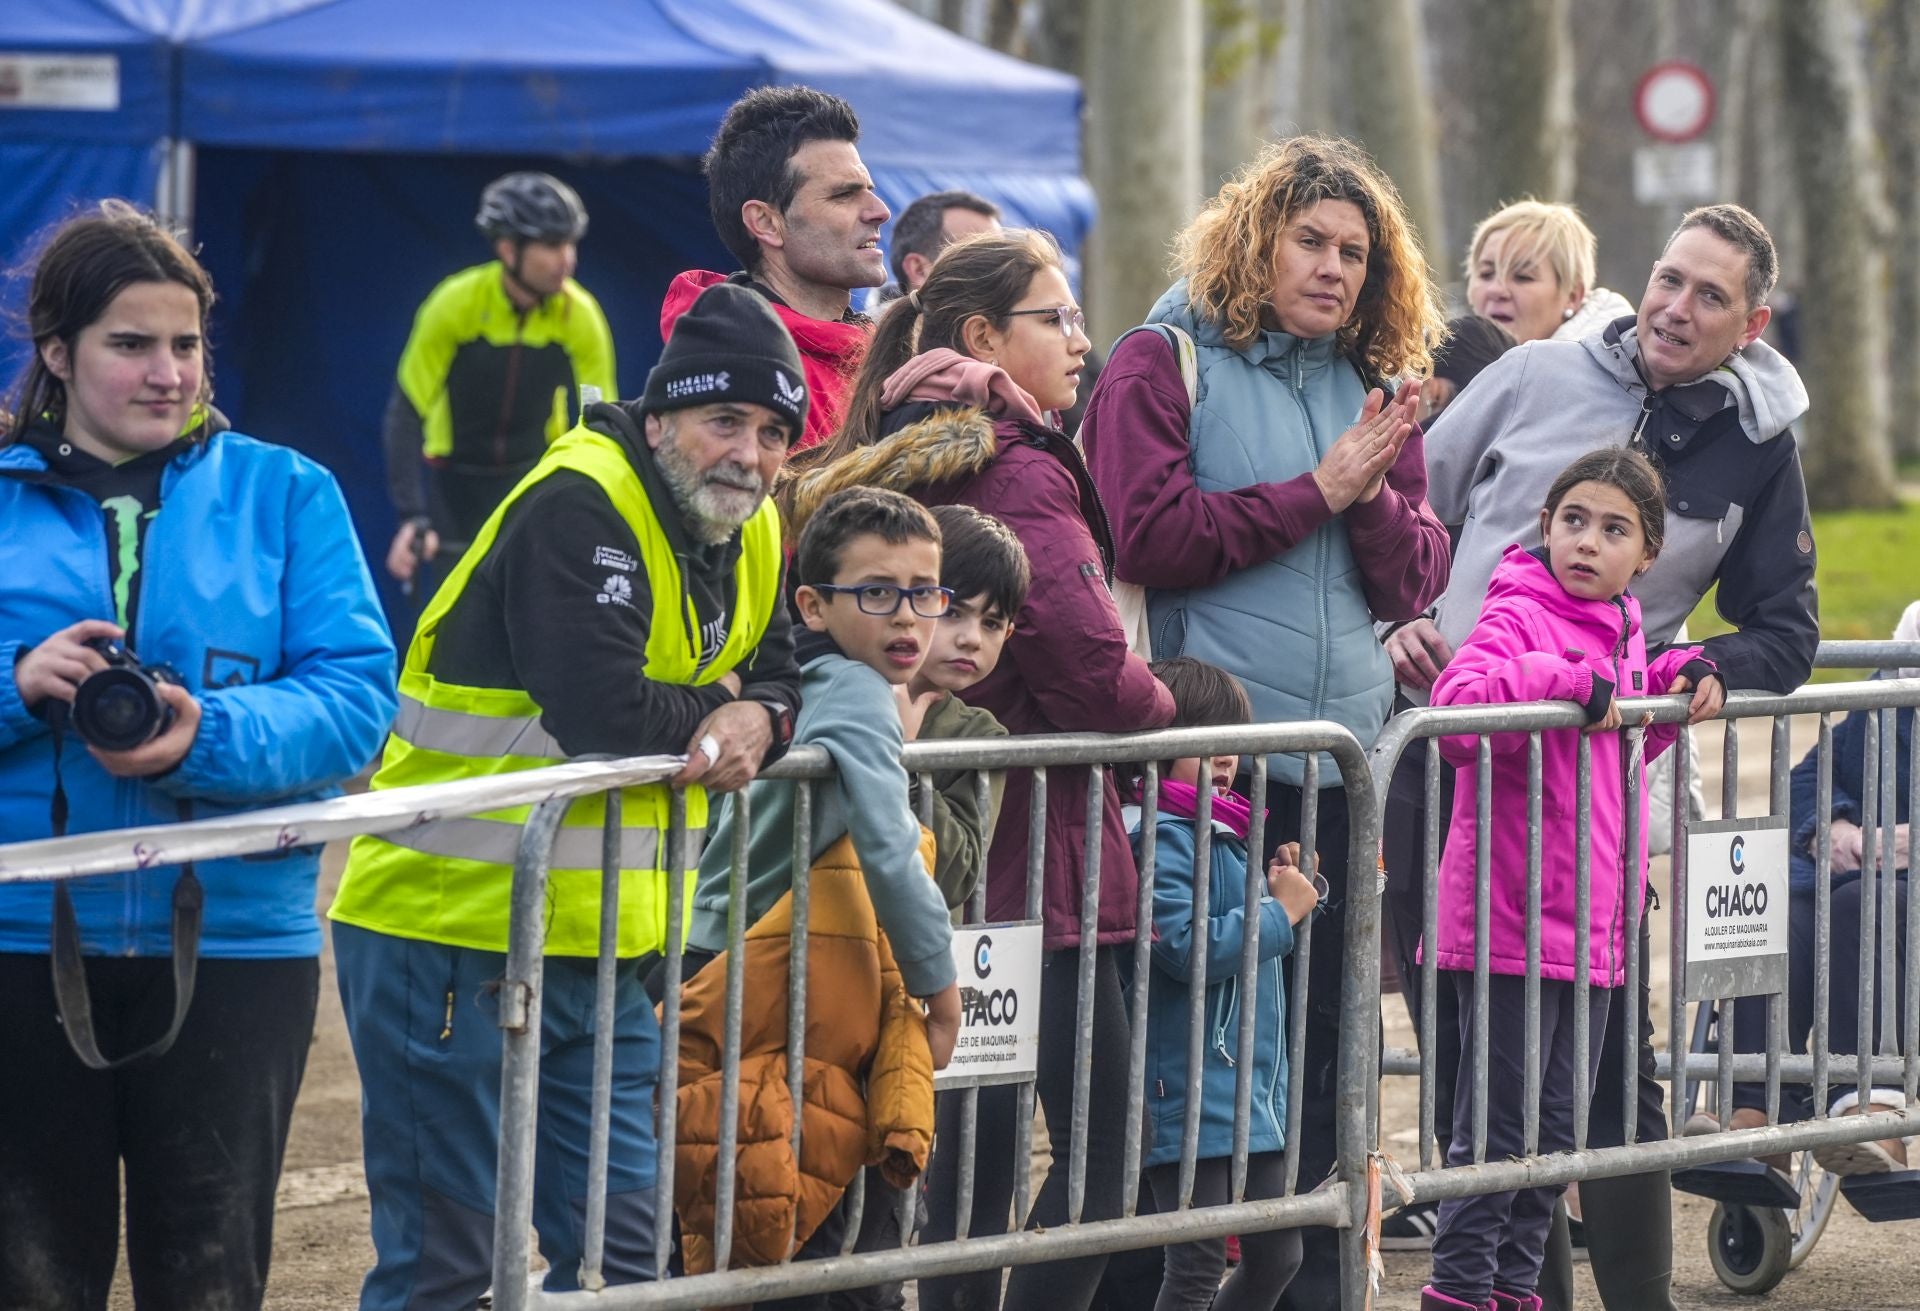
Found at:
(1868, 572)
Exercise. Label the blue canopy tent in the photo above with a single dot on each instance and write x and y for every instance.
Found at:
(85, 107)
(339, 147)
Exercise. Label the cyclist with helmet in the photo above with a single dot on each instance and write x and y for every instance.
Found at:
(492, 371)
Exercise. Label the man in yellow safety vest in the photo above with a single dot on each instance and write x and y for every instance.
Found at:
(625, 599)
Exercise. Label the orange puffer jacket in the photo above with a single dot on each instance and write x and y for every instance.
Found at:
(861, 1026)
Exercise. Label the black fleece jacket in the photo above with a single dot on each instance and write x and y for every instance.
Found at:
(561, 608)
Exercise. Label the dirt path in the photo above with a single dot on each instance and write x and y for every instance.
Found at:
(322, 1246)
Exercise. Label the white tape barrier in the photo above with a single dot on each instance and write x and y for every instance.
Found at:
(387, 811)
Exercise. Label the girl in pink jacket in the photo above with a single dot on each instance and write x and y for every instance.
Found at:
(1557, 625)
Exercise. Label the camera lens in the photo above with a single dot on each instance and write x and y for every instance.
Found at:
(117, 709)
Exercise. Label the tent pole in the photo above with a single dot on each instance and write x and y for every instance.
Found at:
(174, 203)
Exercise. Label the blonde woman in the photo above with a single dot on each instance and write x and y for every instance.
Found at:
(1274, 518)
(1530, 268)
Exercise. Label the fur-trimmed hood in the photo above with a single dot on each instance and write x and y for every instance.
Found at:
(948, 444)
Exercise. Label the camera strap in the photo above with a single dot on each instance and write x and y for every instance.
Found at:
(71, 998)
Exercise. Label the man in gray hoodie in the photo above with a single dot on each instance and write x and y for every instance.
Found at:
(1689, 383)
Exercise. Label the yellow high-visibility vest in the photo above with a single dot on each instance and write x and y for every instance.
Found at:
(450, 880)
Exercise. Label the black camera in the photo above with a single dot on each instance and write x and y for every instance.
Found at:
(119, 707)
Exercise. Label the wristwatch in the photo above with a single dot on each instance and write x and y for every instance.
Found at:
(782, 716)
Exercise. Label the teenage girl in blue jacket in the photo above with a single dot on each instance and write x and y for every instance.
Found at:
(1208, 695)
(128, 519)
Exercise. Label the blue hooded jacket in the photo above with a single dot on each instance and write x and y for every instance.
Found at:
(1167, 998)
(254, 589)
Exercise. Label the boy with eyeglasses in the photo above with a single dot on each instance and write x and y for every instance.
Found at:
(870, 597)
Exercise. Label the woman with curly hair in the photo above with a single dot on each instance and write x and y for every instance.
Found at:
(1270, 495)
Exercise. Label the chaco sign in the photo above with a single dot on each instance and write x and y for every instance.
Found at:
(999, 967)
(1736, 908)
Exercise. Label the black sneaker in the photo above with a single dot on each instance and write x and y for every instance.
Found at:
(1410, 1229)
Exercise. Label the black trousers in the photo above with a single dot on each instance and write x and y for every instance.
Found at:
(200, 1131)
(1499, 1240)
(1068, 1285)
(1317, 1284)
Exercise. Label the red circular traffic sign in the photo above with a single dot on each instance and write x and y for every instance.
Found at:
(1674, 101)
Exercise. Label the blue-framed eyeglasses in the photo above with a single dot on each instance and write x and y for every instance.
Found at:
(1070, 317)
(929, 602)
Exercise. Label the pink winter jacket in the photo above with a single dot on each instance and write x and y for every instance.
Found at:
(1537, 642)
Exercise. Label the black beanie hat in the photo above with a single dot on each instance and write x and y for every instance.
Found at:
(730, 346)
(1472, 344)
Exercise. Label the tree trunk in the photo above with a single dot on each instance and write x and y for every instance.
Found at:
(1520, 99)
(1229, 135)
(1059, 40)
(1003, 27)
(1143, 149)
(1901, 134)
(1846, 450)
(1383, 46)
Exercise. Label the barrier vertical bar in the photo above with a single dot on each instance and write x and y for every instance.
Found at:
(1428, 966)
(1142, 977)
(677, 862)
(1582, 916)
(600, 1125)
(1822, 1041)
(1869, 912)
(520, 995)
(727, 1164)
(1357, 1069)
(1083, 1040)
(1199, 950)
(1482, 930)
(1724, 1009)
(797, 951)
(970, 1096)
(1779, 802)
(1256, 883)
(1530, 1116)
(1297, 998)
(1887, 989)
(1023, 1115)
(1911, 1044)
(1729, 768)
(1636, 761)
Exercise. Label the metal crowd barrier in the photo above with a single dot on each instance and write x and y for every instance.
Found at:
(1347, 1201)
(1887, 1049)
(1342, 1203)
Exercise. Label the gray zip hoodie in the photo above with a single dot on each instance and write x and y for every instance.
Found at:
(1736, 499)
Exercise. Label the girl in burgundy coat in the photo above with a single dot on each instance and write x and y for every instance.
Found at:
(1557, 625)
(957, 404)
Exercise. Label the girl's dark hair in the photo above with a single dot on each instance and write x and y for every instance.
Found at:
(1204, 696)
(90, 259)
(986, 275)
(1628, 472)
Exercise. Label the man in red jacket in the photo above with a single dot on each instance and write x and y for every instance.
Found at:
(792, 201)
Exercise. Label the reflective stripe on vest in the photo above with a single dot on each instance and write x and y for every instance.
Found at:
(450, 879)
(458, 733)
(497, 842)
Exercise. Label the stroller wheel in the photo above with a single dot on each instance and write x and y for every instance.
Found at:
(1751, 1247)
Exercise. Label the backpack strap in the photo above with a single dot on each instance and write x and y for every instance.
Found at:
(1184, 354)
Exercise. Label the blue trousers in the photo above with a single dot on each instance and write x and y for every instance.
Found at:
(1499, 1240)
(424, 1021)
